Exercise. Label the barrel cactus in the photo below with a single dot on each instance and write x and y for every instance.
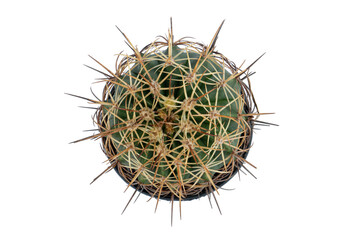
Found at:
(176, 118)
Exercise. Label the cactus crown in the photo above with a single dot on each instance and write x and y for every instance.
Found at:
(175, 118)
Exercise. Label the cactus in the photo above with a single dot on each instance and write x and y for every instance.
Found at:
(176, 118)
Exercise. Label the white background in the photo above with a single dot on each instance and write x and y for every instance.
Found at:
(308, 167)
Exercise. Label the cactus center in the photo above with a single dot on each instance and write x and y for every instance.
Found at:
(155, 88)
(188, 104)
(147, 114)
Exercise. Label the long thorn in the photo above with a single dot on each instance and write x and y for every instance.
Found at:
(249, 171)
(129, 200)
(105, 74)
(172, 208)
(255, 61)
(171, 30)
(209, 196)
(106, 170)
(216, 202)
(88, 99)
(137, 196)
(213, 41)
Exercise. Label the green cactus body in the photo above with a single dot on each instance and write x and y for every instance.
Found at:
(175, 119)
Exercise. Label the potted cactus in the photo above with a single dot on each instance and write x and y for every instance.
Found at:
(176, 118)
